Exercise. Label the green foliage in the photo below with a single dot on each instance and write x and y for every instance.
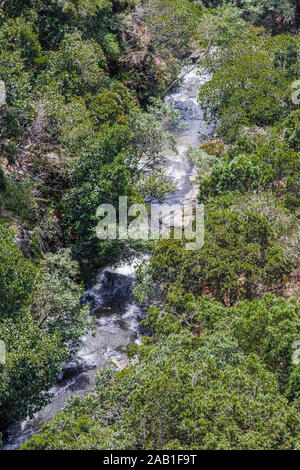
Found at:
(110, 168)
(94, 16)
(264, 168)
(293, 383)
(260, 102)
(272, 14)
(86, 7)
(154, 186)
(19, 109)
(150, 136)
(21, 35)
(173, 25)
(286, 54)
(222, 27)
(80, 128)
(17, 275)
(268, 327)
(56, 306)
(111, 106)
(101, 177)
(71, 122)
(34, 357)
(291, 130)
(111, 46)
(19, 199)
(241, 254)
(177, 395)
(41, 323)
(252, 74)
(33, 362)
(275, 15)
(77, 67)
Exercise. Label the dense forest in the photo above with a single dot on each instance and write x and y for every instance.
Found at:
(82, 84)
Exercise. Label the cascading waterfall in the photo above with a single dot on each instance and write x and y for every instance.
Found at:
(110, 299)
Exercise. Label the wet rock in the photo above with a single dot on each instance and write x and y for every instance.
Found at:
(195, 56)
(188, 110)
(82, 383)
(113, 291)
(87, 298)
(69, 370)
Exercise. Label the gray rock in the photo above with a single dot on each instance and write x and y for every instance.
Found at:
(69, 370)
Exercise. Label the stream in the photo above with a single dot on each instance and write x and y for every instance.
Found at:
(110, 299)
